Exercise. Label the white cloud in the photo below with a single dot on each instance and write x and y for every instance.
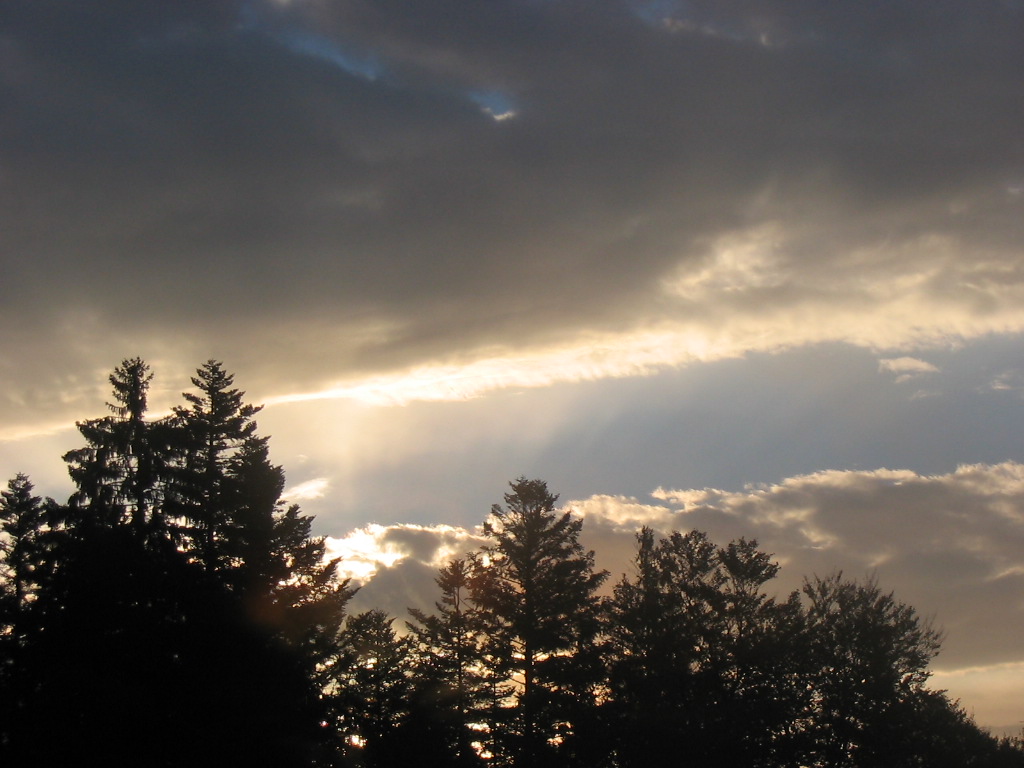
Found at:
(1008, 381)
(747, 291)
(906, 369)
(367, 550)
(311, 489)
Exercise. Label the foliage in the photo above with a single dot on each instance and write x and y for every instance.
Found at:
(370, 694)
(175, 605)
(451, 685)
(535, 587)
(177, 612)
(697, 650)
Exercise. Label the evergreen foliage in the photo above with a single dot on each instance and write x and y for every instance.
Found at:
(122, 471)
(370, 694)
(177, 612)
(451, 686)
(535, 587)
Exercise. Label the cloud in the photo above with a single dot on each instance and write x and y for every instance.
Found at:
(365, 551)
(374, 211)
(906, 368)
(950, 545)
(1010, 381)
(310, 489)
(181, 182)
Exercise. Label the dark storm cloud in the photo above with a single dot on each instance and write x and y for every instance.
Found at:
(320, 187)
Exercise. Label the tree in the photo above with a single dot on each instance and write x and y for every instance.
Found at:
(242, 532)
(122, 470)
(450, 689)
(23, 522)
(535, 586)
(648, 648)
(141, 641)
(869, 655)
(211, 430)
(23, 571)
(370, 690)
(698, 653)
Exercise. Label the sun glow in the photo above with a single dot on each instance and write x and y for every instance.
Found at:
(363, 551)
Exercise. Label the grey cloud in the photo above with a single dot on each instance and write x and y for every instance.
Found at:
(394, 590)
(191, 173)
(409, 580)
(950, 545)
(424, 544)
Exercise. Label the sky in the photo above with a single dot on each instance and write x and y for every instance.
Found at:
(755, 268)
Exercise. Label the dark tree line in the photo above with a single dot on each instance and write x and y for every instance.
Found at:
(175, 612)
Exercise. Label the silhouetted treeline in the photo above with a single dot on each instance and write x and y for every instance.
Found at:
(175, 612)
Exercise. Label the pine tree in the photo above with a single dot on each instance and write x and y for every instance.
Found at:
(23, 572)
(535, 586)
(145, 643)
(241, 531)
(210, 430)
(449, 689)
(23, 524)
(121, 472)
(370, 691)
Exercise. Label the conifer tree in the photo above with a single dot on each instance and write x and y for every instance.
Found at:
(535, 586)
(242, 532)
(141, 643)
(277, 567)
(121, 472)
(210, 430)
(23, 571)
(23, 524)
(370, 691)
(450, 688)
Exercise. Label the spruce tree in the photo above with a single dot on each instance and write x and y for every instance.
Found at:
(210, 430)
(143, 644)
(122, 471)
(535, 586)
(23, 572)
(450, 688)
(370, 691)
(23, 527)
(241, 530)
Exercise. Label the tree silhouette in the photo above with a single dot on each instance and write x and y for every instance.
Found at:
(210, 430)
(140, 647)
(23, 524)
(450, 688)
(122, 470)
(870, 656)
(179, 612)
(370, 690)
(535, 586)
(695, 652)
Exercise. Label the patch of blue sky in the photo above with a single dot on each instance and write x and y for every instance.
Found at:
(325, 49)
(495, 103)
